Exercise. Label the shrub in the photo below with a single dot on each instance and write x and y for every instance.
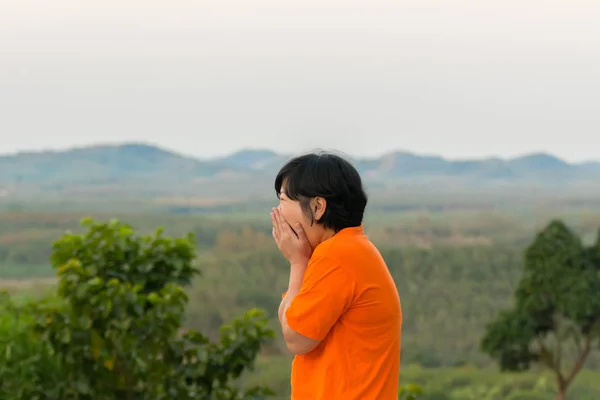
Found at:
(115, 331)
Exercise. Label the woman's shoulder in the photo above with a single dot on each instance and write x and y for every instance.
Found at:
(346, 248)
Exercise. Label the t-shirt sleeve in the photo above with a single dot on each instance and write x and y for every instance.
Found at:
(326, 293)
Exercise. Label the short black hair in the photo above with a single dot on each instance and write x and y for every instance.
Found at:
(331, 177)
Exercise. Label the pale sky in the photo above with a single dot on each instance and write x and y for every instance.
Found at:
(463, 79)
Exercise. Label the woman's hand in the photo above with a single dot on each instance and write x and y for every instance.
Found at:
(293, 244)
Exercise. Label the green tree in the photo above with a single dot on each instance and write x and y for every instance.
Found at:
(555, 318)
(117, 333)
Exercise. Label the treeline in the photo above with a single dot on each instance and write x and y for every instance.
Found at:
(454, 273)
(26, 237)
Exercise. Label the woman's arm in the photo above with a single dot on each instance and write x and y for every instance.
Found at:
(296, 343)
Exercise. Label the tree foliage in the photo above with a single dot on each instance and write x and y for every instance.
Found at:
(556, 308)
(115, 331)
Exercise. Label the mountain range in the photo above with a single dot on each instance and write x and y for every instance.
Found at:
(153, 169)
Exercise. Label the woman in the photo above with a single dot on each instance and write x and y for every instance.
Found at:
(341, 314)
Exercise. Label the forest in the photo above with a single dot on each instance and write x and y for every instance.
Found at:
(456, 271)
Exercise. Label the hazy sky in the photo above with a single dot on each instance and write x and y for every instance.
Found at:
(206, 77)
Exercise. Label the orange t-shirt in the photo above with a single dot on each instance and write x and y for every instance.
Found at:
(349, 301)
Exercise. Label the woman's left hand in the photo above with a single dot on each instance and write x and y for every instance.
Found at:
(294, 246)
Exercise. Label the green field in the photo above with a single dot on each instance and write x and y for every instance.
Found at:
(454, 269)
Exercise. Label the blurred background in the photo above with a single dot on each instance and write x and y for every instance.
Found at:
(474, 125)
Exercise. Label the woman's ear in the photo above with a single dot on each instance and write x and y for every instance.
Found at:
(319, 205)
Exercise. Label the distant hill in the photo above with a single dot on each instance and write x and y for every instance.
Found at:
(254, 159)
(144, 168)
(590, 166)
(101, 163)
(405, 165)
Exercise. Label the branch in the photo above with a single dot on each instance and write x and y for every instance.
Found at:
(577, 339)
(581, 360)
(548, 360)
(558, 353)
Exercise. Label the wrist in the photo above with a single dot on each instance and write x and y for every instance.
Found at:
(299, 265)
(296, 278)
(298, 262)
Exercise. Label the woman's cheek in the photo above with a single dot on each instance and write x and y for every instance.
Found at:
(290, 214)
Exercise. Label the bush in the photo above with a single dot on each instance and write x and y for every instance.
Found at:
(115, 331)
(26, 364)
(409, 392)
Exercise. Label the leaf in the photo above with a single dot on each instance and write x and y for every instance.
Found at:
(109, 364)
(96, 344)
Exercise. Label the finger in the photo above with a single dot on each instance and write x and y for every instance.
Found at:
(275, 237)
(282, 224)
(276, 231)
(300, 233)
(302, 238)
